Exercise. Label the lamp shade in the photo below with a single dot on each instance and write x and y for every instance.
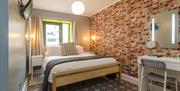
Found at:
(78, 8)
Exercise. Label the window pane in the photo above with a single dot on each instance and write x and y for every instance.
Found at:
(65, 33)
(52, 34)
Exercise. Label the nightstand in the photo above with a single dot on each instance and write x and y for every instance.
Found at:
(36, 61)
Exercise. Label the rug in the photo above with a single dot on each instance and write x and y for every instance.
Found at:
(97, 84)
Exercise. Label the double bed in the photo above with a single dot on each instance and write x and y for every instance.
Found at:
(79, 70)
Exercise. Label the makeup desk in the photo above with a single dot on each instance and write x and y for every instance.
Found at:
(172, 65)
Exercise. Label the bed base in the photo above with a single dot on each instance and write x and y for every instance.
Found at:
(62, 80)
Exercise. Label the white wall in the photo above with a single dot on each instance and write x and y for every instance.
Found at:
(17, 48)
(4, 45)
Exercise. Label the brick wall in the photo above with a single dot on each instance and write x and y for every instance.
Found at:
(123, 30)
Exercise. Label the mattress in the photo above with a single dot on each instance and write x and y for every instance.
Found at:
(77, 66)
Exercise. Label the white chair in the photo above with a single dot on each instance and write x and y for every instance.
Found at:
(155, 77)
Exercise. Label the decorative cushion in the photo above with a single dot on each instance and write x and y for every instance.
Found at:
(80, 49)
(68, 49)
(53, 50)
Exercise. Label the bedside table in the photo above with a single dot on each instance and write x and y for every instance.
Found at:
(36, 61)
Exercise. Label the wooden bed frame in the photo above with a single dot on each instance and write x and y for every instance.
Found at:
(62, 80)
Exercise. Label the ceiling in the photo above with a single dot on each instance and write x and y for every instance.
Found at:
(92, 6)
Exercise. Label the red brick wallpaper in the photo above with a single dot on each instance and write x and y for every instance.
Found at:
(123, 31)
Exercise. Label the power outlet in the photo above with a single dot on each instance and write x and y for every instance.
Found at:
(20, 85)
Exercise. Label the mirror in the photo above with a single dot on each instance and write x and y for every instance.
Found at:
(164, 29)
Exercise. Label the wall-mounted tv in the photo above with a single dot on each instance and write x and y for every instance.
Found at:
(25, 8)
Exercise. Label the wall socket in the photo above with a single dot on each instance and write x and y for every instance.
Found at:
(20, 86)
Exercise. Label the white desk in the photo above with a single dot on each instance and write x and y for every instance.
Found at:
(172, 64)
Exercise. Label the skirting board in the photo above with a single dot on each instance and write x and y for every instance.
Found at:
(25, 86)
(130, 79)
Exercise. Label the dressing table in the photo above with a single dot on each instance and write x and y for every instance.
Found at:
(172, 64)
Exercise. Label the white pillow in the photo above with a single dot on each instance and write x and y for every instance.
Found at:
(53, 51)
(80, 49)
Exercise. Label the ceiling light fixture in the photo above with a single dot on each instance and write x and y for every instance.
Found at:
(78, 7)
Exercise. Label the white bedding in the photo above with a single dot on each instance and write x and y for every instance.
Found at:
(70, 66)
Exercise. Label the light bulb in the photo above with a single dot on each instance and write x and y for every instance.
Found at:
(78, 8)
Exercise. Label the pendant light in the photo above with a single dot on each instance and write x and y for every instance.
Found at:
(78, 7)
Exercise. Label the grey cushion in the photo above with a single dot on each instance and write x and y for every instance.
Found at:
(158, 78)
(68, 49)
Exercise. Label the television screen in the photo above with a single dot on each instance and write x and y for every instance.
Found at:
(27, 9)
(24, 2)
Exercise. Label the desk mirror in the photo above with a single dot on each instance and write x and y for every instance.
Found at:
(164, 29)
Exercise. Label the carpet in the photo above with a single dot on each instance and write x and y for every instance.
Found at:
(97, 84)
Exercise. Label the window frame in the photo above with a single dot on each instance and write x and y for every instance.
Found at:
(60, 23)
(44, 29)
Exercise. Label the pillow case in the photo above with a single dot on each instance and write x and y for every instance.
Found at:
(53, 50)
(68, 49)
(80, 49)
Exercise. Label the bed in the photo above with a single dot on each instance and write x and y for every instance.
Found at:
(75, 71)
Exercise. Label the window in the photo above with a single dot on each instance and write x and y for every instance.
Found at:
(56, 32)
(52, 34)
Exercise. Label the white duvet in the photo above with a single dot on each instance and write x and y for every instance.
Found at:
(76, 65)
